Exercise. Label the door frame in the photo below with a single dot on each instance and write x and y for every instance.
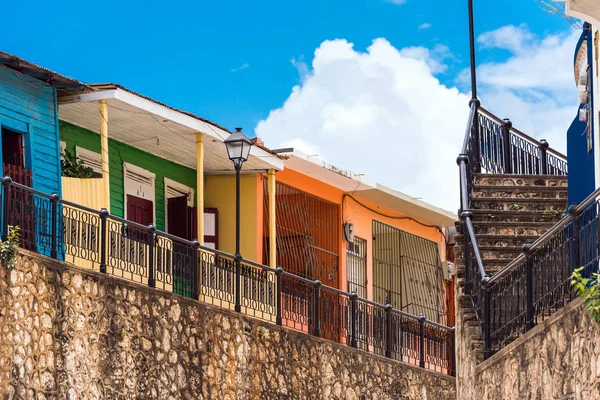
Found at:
(139, 189)
(179, 187)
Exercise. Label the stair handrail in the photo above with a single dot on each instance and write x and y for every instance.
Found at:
(523, 135)
(466, 215)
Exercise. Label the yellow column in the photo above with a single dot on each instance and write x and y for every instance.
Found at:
(272, 230)
(200, 184)
(104, 152)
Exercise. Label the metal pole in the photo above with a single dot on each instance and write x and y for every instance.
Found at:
(353, 319)
(472, 48)
(422, 341)
(196, 271)
(7, 200)
(506, 146)
(238, 256)
(487, 320)
(388, 330)
(544, 157)
(54, 224)
(529, 314)
(278, 318)
(103, 233)
(317, 308)
(151, 250)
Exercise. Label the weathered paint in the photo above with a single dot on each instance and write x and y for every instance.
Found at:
(118, 154)
(219, 193)
(28, 106)
(361, 217)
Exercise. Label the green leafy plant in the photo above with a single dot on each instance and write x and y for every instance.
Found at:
(73, 167)
(587, 289)
(8, 247)
(516, 207)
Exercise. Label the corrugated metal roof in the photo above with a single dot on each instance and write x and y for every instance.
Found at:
(63, 83)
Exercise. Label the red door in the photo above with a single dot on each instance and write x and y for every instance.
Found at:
(12, 148)
(140, 210)
(178, 222)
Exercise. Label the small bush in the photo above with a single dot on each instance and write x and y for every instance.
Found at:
(587, 289)
(8, 247)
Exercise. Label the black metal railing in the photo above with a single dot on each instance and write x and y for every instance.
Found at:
(538, 282)
(98, 240)
(512, 301)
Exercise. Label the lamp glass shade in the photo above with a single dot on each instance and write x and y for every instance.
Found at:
(238, 146)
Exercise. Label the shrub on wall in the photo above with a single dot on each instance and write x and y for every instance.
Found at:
(587, 289)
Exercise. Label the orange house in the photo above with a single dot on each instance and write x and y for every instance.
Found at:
(357, 235)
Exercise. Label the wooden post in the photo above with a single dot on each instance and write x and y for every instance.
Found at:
(104, 151)
(200, 185)
(272, 226)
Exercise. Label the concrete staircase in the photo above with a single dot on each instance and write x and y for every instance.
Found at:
(508, 211)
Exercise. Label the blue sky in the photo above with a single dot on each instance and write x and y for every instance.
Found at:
(308, 73)
(184, 54)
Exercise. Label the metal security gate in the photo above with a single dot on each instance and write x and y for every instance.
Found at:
(307, 230)
(356, 260)
(407, 272)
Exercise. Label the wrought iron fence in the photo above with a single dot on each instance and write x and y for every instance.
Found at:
(501, 149)
(537, 283)
(112, 245)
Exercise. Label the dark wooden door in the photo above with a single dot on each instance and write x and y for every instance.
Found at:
(178, 222)
(140, 210)
(12, 148)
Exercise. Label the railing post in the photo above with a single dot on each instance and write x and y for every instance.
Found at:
(486, 318)
(388, 330)
(54, 224)
(422, 341)
(103, 234)
(5, 220)
(278, 274)
(238, 282)
(476, 136)
(576, 258)
(196, 271)
(506, 145)
(544, 157)
(466, 253)
(353, 318)
(453, 351)
(317, 308)
(529, 287)
(151, 249)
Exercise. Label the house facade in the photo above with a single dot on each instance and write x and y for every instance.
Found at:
(360, 236)
(584, 134)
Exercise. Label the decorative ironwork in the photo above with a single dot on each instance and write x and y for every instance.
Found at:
(122, 248)
(407, 272)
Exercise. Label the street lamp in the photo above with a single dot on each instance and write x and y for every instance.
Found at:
(238, 148)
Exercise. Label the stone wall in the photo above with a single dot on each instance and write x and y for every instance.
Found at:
(558, 359)
(69, 333)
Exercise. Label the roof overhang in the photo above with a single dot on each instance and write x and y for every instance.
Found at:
(158, 129)
(362, 187)
(407, 205)
(63, 84)
(585, 10)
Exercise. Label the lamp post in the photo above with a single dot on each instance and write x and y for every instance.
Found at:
(238, 150)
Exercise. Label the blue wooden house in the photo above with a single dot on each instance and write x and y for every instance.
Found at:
(29, 122)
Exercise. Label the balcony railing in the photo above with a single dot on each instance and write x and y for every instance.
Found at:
(98, 240)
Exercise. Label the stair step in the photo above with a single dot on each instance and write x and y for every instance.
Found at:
(520, 180)
(503, 216)
(501, 240)
(528, 192)
(512, 228)
(549, 206)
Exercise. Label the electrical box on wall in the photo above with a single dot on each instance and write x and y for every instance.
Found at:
(349, 231)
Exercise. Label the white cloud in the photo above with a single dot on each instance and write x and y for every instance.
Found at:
(241, 67)
(425, 25)
(534, 86)
(382, 113)
(434, 58)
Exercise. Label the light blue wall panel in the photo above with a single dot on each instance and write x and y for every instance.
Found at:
(29, 106)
